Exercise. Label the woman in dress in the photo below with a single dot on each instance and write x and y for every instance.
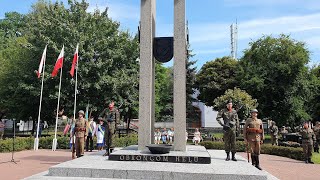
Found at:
(196, 137)
(100, 134)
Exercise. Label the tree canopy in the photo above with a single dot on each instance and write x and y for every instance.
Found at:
(215, 77)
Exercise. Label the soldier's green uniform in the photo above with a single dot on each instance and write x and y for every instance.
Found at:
(80, 130)
(274, 133)
(111, 121)
(316, 130)
(230, 126)
(308, 138)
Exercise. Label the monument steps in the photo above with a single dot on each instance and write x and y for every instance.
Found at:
(96, 166)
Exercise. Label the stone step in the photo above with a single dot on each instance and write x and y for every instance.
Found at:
(96, 166)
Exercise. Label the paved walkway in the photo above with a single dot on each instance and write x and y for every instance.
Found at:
(33, 162)
(288, 169)
(30, 162)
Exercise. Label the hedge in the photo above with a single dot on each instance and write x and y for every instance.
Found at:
(26, 143)
(290, 152)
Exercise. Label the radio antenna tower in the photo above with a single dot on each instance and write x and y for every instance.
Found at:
(234, 39)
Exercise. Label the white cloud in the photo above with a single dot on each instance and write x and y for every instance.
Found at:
(207, 33)
(213, 51)
(118, 11)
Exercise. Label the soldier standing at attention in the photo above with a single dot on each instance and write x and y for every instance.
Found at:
(274, 133)
(230, 127)
(80, 134)
(316, 130)
(112, 120)
(254, 135)
(308, 138)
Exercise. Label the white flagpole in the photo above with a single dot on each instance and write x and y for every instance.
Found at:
(36, 140)
(75, 89)
(54, 144)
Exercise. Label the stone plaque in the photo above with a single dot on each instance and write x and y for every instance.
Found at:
(161, 158)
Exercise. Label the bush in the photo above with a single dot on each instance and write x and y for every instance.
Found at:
(124, 141)
(25, 143)
(290, 152)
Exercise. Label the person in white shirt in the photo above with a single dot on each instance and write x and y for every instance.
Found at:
(157, 136)
(196, 137)
(170, 135)
(100, 130)
(91, 131)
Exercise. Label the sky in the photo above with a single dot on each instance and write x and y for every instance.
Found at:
(209, 22)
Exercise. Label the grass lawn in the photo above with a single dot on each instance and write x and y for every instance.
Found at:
(316, 158)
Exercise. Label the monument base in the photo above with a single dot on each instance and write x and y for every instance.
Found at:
(96, 166)
(194, 154)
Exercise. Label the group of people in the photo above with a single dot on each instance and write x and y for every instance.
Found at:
(253, 133)
(165, 136)
(82, 131)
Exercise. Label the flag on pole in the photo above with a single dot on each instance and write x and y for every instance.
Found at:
(75, 61)
(42, 61)
(87, 112)
(59, 63)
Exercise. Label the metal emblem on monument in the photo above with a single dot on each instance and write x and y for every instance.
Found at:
(163, 49)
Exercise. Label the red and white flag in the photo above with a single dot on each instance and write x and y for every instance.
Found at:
(75, 61)
(59, 63)
(42, 61)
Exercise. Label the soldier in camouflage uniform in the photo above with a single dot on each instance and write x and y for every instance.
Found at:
(80, 132)
(308, 138)
(112, 120)
(253, 134)
(274, 133)
(230, 127)
(316, 130)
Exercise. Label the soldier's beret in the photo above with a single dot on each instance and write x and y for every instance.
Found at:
(81, 112)
(254, 110)
(100, 118)
(229, 101)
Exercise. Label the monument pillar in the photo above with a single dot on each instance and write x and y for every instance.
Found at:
(146, 77)
(179, 66)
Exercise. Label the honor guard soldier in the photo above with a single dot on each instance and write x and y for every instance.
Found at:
(316, 130)
(253, 134)
(308, 138)
(80, 131)
(230, 127)
(112, 120)
(274, 133)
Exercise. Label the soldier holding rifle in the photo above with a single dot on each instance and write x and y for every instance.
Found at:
(230, 127)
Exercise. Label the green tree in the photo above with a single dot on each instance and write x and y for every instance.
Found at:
(108, 69)
(273, 71)
(241, 101)
(163, 93)
(215, 77)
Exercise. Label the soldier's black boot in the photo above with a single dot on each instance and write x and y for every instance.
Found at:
(309, 161)
(306, 160)
(253, 159)
(258, 162)
(228, 156)
(233, 156)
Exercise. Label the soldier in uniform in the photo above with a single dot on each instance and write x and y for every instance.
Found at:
(230, 127)
(308, 138)
(80, 130)
(253, 134)
(274, 133)
(316, 130)
(112, 120)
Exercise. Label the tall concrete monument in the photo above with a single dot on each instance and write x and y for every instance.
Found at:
(147, 73)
